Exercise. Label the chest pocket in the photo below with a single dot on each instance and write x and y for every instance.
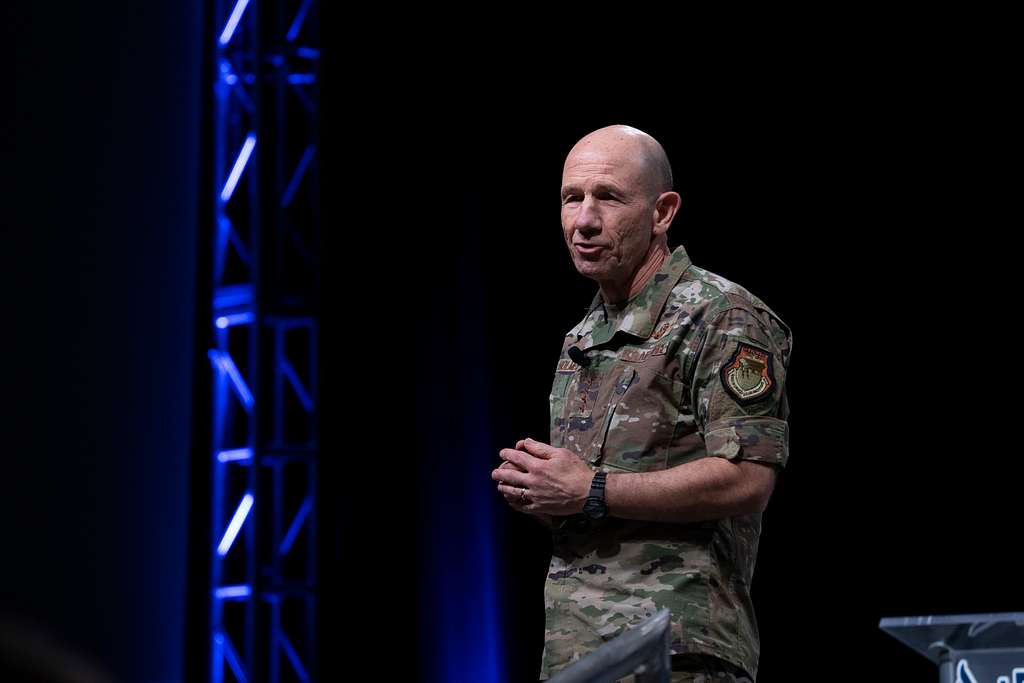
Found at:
(640, 422)
(581, 405)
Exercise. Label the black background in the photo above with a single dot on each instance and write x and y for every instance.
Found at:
(867, 203)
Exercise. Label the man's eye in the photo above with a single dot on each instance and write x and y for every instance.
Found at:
(571, 198)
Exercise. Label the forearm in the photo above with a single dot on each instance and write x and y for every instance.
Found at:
(709, 488)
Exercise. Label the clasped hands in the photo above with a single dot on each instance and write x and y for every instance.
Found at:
(539, 479)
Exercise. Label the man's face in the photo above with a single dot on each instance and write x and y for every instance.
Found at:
(607, 213)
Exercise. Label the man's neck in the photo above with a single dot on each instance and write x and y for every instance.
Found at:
(656, 256)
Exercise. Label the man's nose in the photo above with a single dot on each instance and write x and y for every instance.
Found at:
(588, 219)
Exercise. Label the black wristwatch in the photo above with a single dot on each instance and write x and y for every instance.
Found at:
(595, 507)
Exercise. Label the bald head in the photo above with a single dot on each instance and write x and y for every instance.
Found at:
(630, 147)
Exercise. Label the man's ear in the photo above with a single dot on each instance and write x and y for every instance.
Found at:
(665, 208)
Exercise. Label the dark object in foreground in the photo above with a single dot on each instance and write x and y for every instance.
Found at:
(642, 650)
(967, 647)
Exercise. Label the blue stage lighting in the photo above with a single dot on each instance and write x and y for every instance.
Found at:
(293, 656)
(236, 455)
(236, 171)
(236, 524)
(234, 661)
(300, 171)
(225, 321)
(296, 527)
(228, 592)
(224, 363)
(300, 18)
(236, 16)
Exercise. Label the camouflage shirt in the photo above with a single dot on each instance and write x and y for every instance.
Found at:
(693, 366)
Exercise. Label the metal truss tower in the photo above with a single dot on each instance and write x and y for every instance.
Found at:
(266, 328)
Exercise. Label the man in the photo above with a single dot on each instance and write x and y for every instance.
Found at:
(668, 426)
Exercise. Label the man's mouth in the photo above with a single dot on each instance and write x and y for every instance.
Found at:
(588, 249)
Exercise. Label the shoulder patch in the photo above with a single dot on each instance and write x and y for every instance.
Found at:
(749, 375)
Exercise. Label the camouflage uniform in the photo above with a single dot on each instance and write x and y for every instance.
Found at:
(692, 366)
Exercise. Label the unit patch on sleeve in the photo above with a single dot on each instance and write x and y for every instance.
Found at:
(748, 376)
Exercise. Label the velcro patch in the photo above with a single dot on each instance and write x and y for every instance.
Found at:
(749, 375)
(640, 355)
(634, 355)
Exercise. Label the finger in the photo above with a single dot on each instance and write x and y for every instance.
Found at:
(539, 448)
(518, 504)
(507, 465)
(511, 477)
(517, 458)
(514, 501)
(521, 445)
(512, 492)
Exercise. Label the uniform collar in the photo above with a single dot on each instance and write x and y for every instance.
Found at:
(640, 313)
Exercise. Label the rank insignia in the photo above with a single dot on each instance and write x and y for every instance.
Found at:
(748, 376)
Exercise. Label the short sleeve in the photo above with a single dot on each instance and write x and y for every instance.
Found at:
(739, 387)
